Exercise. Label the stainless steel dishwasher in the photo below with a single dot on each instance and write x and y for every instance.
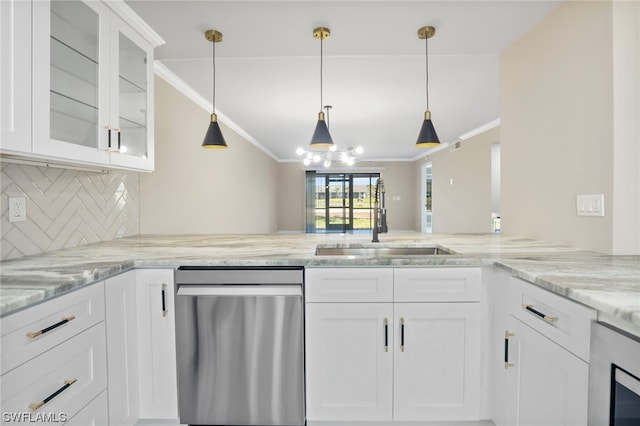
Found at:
(240, 345)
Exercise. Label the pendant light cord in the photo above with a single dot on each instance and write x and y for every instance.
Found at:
(321, 40)
(426, 55)
(213, 56)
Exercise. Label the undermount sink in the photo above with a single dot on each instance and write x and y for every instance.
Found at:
(379, 251)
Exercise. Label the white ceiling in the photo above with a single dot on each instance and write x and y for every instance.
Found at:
(268, 66)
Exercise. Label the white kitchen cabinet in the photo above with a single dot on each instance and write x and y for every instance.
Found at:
(375, 360)
(437, 362)
(540, 366)
(122, 348)
(92, 86)
(349, 361)
(15, 84)
(156, 344)
(547, 385)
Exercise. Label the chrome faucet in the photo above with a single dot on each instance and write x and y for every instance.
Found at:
(379, 212)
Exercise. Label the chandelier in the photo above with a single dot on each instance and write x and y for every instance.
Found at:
(328, 156)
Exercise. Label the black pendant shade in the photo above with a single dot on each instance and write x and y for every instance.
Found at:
(214, 139)
(321, 137)
(428, 137)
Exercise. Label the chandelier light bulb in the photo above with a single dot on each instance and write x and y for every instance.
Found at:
(299, 151)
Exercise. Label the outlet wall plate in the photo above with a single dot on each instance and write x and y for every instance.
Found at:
(17, 209)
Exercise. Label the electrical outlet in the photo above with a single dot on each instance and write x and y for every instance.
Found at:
(17, 209)
(590, 205)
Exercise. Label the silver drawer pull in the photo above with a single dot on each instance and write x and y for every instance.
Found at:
(402, 334)
(64, 320)
(37, 405)
(540, 314)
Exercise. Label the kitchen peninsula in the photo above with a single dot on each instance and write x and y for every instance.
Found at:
(609, 284)
(116, 310)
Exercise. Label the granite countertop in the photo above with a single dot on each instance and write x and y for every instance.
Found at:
(609, 284)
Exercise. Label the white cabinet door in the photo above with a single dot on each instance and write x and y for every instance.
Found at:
(122, 348)
(70, 80)
(156, 344)
(131, 92)
(92, 87)
(549, 384)
(499, 341)
(437, 361)
(349, 368)
(15, 84)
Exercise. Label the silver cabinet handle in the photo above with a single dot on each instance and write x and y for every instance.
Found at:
(64, 320)
(37, 405)
(507, 336)
(540, 314)
(402, 334)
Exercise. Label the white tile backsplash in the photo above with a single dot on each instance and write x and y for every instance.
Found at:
(66, 208)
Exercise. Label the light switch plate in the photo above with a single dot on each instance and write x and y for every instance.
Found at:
(590, 205)
(17, 209)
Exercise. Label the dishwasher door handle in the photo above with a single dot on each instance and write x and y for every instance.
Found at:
(239, 290)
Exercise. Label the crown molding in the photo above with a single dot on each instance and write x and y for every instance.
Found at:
(137, 23)
(471, 133)
(170, 77)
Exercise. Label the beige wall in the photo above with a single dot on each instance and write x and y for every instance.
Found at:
(557, 130)
(399, 181)
(400, 185)
(194, 190)
(466, 205)
(291, 197)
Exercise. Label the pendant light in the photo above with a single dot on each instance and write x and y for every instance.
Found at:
(428, 137)
(321, 137)
(214, 139)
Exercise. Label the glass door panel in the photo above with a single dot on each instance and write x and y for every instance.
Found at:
(362, 202)
(339, 211)
(320, 204)
(132, 83)
(74, 96)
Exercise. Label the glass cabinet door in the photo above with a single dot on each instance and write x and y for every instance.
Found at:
(132, 91)
(74, 73)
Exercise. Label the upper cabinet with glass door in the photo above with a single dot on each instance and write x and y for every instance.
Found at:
(93, 85)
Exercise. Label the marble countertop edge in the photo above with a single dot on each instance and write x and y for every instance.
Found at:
(609, 284)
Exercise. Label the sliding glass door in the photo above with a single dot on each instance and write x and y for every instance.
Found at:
(339, 202)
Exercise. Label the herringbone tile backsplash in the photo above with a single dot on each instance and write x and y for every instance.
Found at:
(66, 208)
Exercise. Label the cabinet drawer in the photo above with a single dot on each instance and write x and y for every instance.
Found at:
(85, 306)
(565, 322)
(437, 284)
(79, 362)
(349, 285)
